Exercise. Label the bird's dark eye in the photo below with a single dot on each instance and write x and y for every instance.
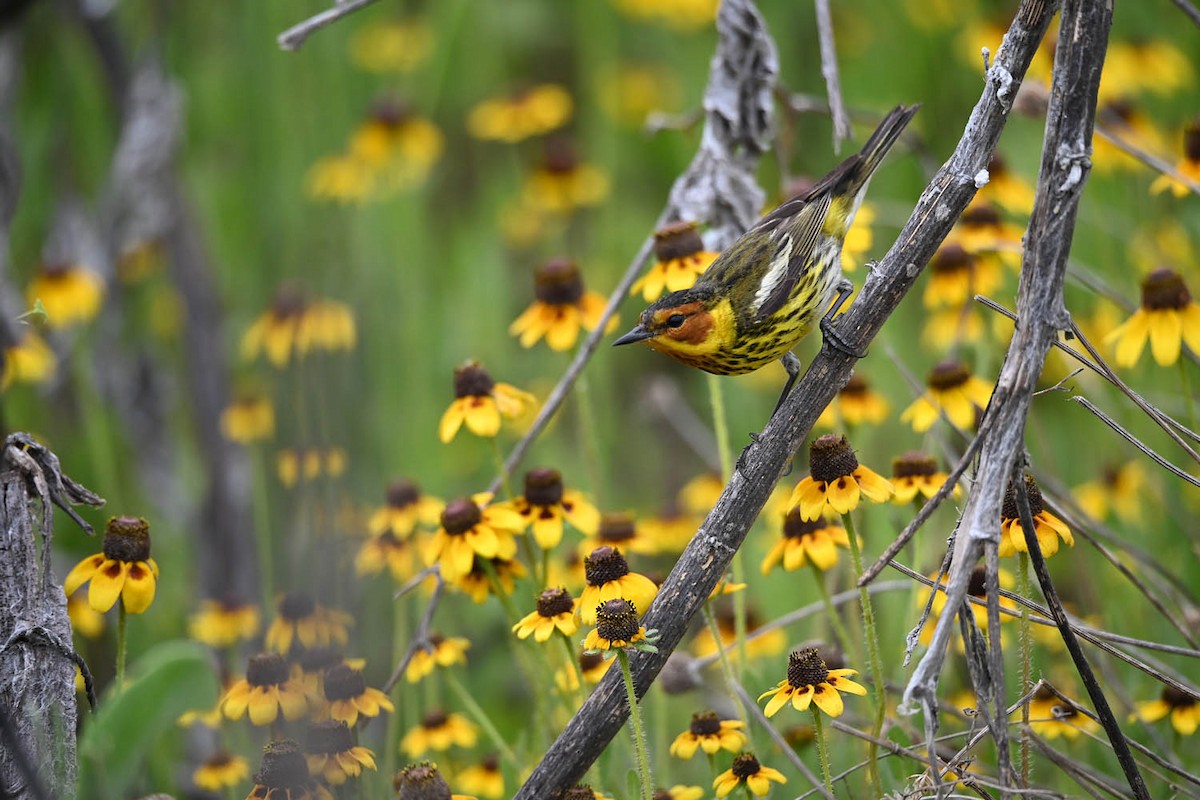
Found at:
(675, 320)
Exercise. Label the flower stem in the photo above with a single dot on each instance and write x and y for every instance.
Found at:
(482, 718)
(822, 749)
(573, 666)
(835, 621)
(872, 637)
(639, 733)
(121, 617)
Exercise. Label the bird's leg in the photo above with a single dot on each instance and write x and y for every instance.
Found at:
(792, 364)
(830, 336)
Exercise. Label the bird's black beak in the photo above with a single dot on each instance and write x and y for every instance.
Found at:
(638, 334)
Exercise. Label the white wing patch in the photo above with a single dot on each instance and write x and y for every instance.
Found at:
(776, 272)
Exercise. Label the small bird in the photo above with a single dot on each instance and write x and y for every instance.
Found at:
(763, 294)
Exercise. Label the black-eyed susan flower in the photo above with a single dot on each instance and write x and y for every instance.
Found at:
(616, 627)
(804, 541)
(1050, 716)
(28, 360)
(484, 779)
(561, 307)
(309, 666)
(85, 620)
(983, 229)
(956, 276)
(682, 15)
(1123, 118)
(225, 622)
(1120, 489)
(950, 389)
(69, 293)
(386, 550)
(679, 792)
(946, 328)
(746, 771)
(1006, 188)
(397, 145)
(977, 588)
(534, 111)
(439, 651)
(709, 733)
(682, 258)
(856, 403)
(331, 753)
(592, 667)
(267, 691)
(470, 527)
(221, 771)
(916, 473)
(1135, 66)
(478, 584)
(296, 325)
(480, 402)
(1188, 165)
(555, 611)
(284, 775)
(437, 732)
(1168, 317)
(836, 480)
(403, 508)
(123, 569)
(582, 791)
(423, 782)
(700, 494)
(668, 532)
(809, 681)
(301, 619)
(1049, 527)
(546, 503)
(769, 643)
(619, 530)
(608, 578)
(1183, 709)
(392, 46)
(562, 182)
(249, 418)
(349, 697)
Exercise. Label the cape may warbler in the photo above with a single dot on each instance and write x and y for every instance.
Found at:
(763, 294)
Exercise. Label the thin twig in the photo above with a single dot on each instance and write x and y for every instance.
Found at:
(420, 639)
(294, 37)
(1189, 9)
(1154, 162)
(1136, 442)
(829, 70)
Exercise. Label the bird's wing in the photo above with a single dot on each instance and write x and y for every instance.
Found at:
(795, 238)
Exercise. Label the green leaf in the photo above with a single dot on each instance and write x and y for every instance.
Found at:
(166, 681)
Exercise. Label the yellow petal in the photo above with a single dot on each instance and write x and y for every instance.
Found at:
(106, 585)
(82, 572)
(138, 593)
(828, 700)
(451, 421)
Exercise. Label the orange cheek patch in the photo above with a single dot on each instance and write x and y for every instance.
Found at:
(695, 330)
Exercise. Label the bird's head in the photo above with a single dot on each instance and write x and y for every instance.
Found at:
(687, 322)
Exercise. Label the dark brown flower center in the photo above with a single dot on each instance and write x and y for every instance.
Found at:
(661, 794)
(319, 659)
(559, 156)
(553, 602)
(402, 493)
(343, 682)
(283, 766)
(705, 723)
(603, 565)
(290, 301)
(677, 240)
(977, 583)
(420, 782)
(616, 620)
(744, 765)
(580, 791)
(472, 380)
(796, 527)
(434, 718)
(266, 669)
(296, 606)
(1008, 509)
(948, 375)
(857, 386)
(616, 528)
(460, 516)
(543, 487)
(831, 457)
(1177, 699)
(951, 258)
(1164, 290)
(329, 736)
(127, 539)
(1191, 142)
(491, 762)
(805, 668)
(914, 465)
(558, 282)
(390, 113)
(996, 166)
(981, 215)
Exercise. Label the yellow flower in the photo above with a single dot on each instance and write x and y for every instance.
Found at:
(1050, 716)
(747, 771)
(977, 588)
(680, 792)
(770, 643)
(856, 403)
(555, 611)
(439, 731)
(220, 772)
(423, 780)
(1183, 709)
(209, 718)
(683, 15)
(468, 529)
(803, 541)
(222, 623)
(947, 328)
(249, 418)
(484, 779)
(480, 402)
(404, 506)
(349, 696)
(616, 626)
(681, 259)
(563, 183)
(956, 276)
(438, 651)
(709, 733)
(85, 620)
(122, 570)
(1188, 165)
(582, 791)
(546, 503)
(859, 238)
(284, 775)
(917, 474)
(294, 464)
(301, 619)
(618, 530)
(1121, 488)
(478, 585)
(836, 480)
(1007, 189)
(69, 293)
(952, 389)
(1122, 118)
(1167, 317)
(341, 179)
(397, 147)
(396, 46)
(1155, 65)
(592, 667)
(560, 309)
(331, 753)
(385, 549)
(1049, 527)
(982, 229)
(631, 93)
(524, 114)
(700, 494)
(267, 690)
(809, 681)
(296, 325)
(30, 360)
(608, 578)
